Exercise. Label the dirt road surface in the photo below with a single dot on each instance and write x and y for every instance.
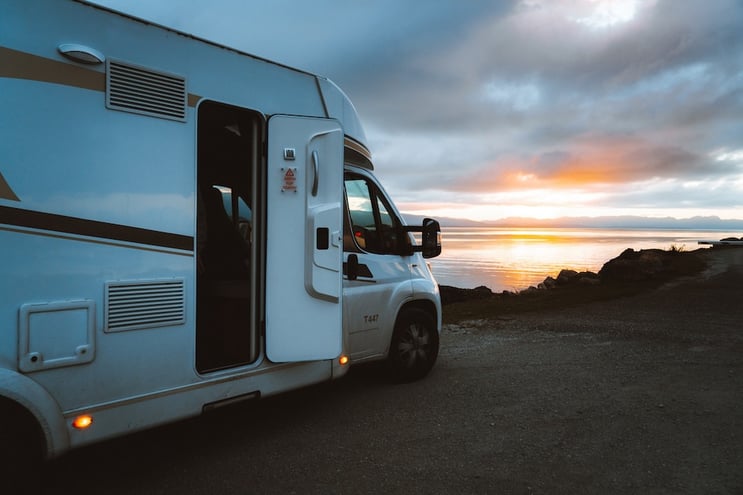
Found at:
(635, 395)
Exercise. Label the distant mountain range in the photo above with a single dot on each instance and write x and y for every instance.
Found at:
(617, 222)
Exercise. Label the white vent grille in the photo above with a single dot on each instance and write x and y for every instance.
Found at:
(139, 90)
(144, 304)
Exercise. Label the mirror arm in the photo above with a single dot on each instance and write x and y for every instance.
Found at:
(352, 267)
(429, 247)
(413, 248)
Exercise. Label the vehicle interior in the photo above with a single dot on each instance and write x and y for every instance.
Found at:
(228, 164)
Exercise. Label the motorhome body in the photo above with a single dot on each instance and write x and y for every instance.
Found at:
(183, 225)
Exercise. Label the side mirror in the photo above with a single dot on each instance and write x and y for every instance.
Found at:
(430, 238)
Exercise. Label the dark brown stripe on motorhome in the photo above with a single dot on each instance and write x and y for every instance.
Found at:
(20, 65)
(15, 64)
(92, 228)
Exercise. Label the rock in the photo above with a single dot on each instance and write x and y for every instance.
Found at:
(628, 253)
(635, 266)
(566, 277)
(549, 283)
(455, 294)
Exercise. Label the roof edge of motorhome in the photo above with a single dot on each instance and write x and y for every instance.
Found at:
(194, 37)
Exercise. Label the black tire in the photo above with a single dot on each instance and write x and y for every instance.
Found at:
(414, 346)
(21, 455)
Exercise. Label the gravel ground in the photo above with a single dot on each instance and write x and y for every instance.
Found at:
(634, 395)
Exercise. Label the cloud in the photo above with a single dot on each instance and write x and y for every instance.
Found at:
(541, 46)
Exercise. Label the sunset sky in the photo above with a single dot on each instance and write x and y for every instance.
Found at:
(540, 108)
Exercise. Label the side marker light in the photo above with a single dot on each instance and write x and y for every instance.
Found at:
(82, 422)
(343, 360)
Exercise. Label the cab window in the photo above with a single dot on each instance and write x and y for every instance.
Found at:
(371, 224)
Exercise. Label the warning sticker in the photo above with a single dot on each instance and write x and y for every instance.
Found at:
(289, 182)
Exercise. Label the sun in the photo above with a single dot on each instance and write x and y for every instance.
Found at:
(600, 14)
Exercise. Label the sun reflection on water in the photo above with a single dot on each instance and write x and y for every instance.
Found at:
(514, 259)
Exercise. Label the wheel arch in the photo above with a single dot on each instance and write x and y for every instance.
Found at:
(424, 305)
(35, 409)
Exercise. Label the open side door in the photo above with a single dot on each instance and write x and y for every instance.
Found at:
(304, 255)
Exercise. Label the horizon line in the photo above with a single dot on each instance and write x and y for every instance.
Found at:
(698, 221)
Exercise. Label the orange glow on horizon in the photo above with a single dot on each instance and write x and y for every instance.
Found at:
(594, 168)
(587, 162)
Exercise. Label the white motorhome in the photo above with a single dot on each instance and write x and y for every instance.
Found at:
(182, 226)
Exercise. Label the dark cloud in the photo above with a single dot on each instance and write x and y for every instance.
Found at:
(647, 64)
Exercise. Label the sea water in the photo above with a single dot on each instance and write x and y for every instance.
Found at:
(514, 259)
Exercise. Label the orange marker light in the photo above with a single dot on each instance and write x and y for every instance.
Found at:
(343, 360)
(82, 422)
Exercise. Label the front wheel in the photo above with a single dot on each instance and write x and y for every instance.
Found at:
(414, 346)
(20, 449)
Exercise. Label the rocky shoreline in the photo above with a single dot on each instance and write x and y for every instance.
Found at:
(642, 267)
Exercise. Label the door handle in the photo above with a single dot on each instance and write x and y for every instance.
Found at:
(316, 169)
